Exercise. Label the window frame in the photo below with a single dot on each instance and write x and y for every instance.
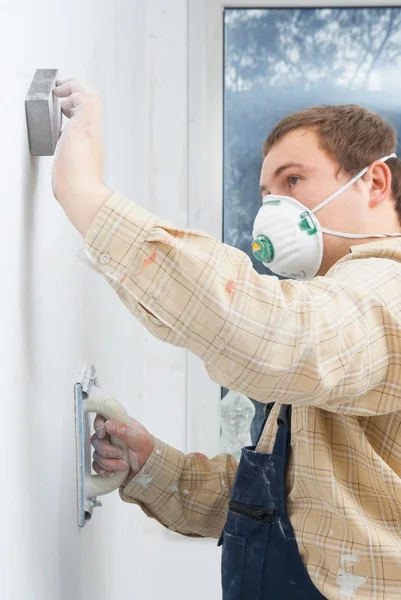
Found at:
(205, 168)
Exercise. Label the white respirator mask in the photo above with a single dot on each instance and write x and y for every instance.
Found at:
(287, 237)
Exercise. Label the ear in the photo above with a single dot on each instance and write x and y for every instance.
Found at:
(380, 180)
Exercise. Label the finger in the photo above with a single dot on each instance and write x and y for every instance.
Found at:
(109, 464)
(101, 471)
(59, 82)
(98, 425)
(72, 86)
(105, 448)
(63, 88)
(131, 435)
(68, 105)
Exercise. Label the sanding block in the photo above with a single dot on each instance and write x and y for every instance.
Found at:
(43, 113)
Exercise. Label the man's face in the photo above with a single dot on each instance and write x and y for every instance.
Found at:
(297, 166)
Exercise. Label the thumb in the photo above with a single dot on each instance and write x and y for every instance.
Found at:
(122, 431)
(134, 434)
(139, 441)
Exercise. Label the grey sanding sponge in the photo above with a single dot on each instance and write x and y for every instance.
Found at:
(43, 113)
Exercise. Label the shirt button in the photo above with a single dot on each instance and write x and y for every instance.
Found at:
(104, 259)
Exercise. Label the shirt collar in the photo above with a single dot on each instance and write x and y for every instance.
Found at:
(383, 247)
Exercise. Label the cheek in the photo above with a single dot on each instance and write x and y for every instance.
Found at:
(306, 193)
(341, 214)
(329, 216)
(317, 192)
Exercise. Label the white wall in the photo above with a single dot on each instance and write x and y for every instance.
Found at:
(55, 313)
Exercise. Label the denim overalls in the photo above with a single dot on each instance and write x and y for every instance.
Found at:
(260, 556)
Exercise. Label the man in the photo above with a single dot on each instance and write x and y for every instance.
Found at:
(314, 511)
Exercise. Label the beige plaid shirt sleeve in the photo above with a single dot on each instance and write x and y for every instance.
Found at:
(323, 342)
(186, 493)
(330, 347)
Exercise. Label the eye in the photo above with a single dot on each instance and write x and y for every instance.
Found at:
(293, 180)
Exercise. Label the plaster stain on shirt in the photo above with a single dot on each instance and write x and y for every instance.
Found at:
(347, 581)
(230, 287)
(144, 480)
(151, 259)
(198, 455)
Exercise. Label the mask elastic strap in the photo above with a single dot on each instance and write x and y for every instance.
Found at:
(347, 185)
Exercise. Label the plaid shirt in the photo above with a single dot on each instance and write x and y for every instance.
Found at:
(330, 347)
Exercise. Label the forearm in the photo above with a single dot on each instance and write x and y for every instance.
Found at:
(188, 494)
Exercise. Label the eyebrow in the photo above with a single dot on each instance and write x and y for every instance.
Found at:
(288, 165)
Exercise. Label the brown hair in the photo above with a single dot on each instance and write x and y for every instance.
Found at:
(351, 134)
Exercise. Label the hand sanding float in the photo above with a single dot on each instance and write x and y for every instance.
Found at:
(89, 486)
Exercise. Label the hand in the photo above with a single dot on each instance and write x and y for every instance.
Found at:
(107, 457)
(77, 177)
